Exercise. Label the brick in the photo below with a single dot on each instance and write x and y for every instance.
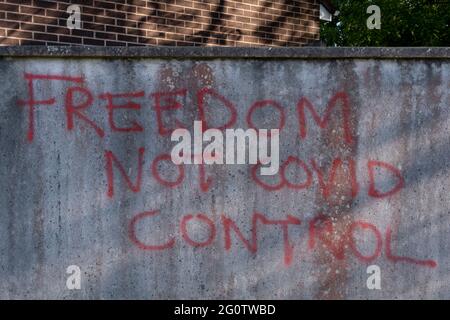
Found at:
(104, 20)
(126, 23)
(115, 14)
(82, 33)
(133, 31)
(93, 11)
(265, 16)
(173, 22)
(144, 11)
(232, 11)
(140, 3)
(205, 20)
(45, 20)
(56, 13)
(156, 4)
(86, 18)
(83, 4)
(246, 38)
(184, 17)
(154, 34)
(183, 3)
(45, 36)
(104, 35)
(57, 44)
(132, 44)
(19, 34)
(26, 42)
(150, 41)
(70, 39)
(174, 8)
(126, 8)
(174, 36)
(164, 42)
(32, 27)
(136, 17)
(24, 2)
(164, 14)
(18, 16)
(57, 29)
(147, 26)
(201, 5)
(9, 24)
(243, 19)
(115, 43)
(93, 42)
(184, 43)
(182, 30)
(9, 41)
(121, 37)
(93, 26)
(104, 4)
(115, 29)
(45, 4)
(159, 21)
(9, 7)
(193, 25)
(32, 10)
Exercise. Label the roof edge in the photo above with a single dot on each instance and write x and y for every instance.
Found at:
(328, 5)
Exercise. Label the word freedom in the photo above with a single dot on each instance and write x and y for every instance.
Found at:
(235, 144)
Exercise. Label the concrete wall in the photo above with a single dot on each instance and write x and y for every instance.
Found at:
(366, 184)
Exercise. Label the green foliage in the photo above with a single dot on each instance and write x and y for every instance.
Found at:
(403, 23)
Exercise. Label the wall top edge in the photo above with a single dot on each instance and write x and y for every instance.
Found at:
(228, 52)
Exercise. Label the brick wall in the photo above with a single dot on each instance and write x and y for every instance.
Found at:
(171, 22)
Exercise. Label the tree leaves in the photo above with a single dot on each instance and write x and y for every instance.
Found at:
(403, 23)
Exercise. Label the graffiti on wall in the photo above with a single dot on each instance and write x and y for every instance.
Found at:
(76, 103)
